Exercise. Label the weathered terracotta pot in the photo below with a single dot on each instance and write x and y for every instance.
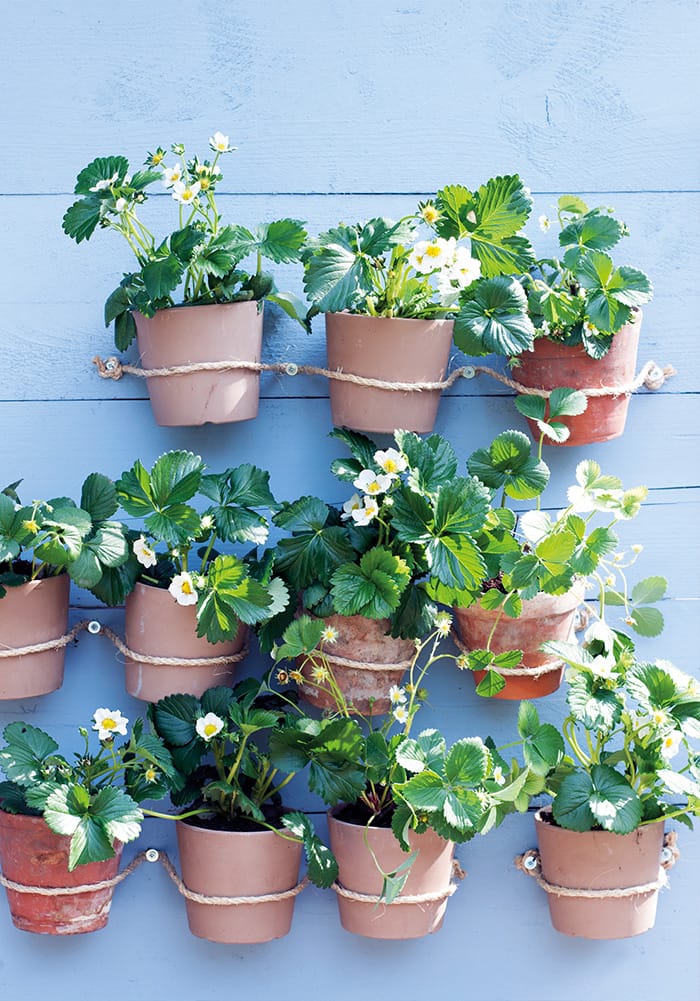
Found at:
(33, 613)
(551, 365)
(365, 641)
(238, 864)
(600, 860)
(184, 335)
(157, 626)
(430, 874)
(546, 617)
(394, 350)
(31, 854)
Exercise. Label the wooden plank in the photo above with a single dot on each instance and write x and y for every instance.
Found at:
(51, 328)
(400, 98)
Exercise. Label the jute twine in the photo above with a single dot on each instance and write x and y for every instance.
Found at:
(153, 855)
(530, 863)
(511, 672)
(652, 376)
(409, 898)
(95, 628)
(360, 665)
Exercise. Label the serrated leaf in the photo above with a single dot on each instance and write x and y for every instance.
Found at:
(494, 319)
(649, 590)
(533, 407)
(81, 218)
(647, 621)
(103, 168)
(567, 403)
(162, 276)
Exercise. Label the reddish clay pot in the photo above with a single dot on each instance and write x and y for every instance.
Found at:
(546, 617)
(184, 335)
(157, 626)
(430, 874)
(600, 860)
(238, 864)
(31, 854)
(551, 365)
(394, 350)
(33, 613)
(365, 641)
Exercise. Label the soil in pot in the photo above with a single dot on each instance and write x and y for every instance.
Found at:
(430, 876)
(552, 364)
(158, 627)
(32, 855)
(544, 617)
(227, 863)
(600, 860)
(393, 350)
(184, 335)
(379, 661)
(35, 612)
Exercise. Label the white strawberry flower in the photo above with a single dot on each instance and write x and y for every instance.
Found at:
(544, 222)
(367, 513)
(400, 714)
(670, 745)
(329, 634)
(121, 205)
(354, 504)
(209, 726)
(105, 183)
(109, 722)
(218, 143)
(183, 590)
(372, 483)
(186, 195)
(443, 624)
(397, 695)
(465, 268)
(429, 256)
(390, 461)
(143, 552)
(498, 776)
(172, 175)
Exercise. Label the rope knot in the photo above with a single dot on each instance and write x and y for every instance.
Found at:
(657, 376)
(108, 368)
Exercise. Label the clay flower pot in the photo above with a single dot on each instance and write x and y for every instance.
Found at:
(393, 350)
(430, 876)
(600, 860)
(158, 627)
(551, 365)
(32, 855)
(35, 612)
(544, 617)
(238, 864)
(381, 662)
(184, 335)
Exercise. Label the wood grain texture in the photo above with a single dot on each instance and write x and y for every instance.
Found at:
(315, 94)
(343, 112)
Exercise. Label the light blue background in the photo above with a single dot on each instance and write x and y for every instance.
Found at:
(341, 111)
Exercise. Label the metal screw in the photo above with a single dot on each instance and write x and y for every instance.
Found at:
(530, 862)
(291, 368)
(666, 855)
(110, 365)
(94, 627)
(152, 855)
(468, 372)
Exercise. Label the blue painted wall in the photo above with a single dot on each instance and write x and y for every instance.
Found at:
(341, 111)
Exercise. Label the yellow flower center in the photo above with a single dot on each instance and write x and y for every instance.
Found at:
(210, 729)
(432, 250)
(151, 775)
(390, 466)
(430, 213)
(204, 183)
(187, 587)
(108, 723)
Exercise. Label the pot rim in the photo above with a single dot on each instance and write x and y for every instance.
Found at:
(441, 321)
(596, 833)
(204, 305)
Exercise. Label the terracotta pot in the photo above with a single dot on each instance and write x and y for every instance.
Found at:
(551, 365)
(184, 335)
(238, 864)
(31, 854)
(394, 350)
(157, 626)
(430, 874)
(600, 860)
(365, 641)
(544, 617)
(33, 613)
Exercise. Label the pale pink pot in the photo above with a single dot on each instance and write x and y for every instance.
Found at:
(430, 874)
(393, 350)
(600, 860)
(33, 613)
(238, 864)
(551, 365)
(184, 335)
(546, 617)
(368, 642)
(157, 626)
(32, 855)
